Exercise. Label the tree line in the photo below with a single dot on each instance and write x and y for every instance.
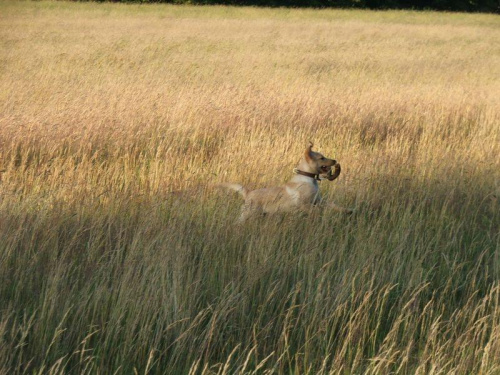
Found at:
(491, 6)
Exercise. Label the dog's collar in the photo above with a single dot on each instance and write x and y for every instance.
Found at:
(307, 174)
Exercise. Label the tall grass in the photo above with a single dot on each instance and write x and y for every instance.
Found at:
(118, 256)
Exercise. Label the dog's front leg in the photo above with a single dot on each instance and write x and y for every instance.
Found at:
(321, 202)
(339, 208)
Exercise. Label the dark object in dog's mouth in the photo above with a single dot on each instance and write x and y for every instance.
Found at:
(333, 174)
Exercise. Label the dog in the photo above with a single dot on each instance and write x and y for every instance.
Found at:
(299, 194)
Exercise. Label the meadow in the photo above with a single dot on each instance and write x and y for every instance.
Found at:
(118, 255)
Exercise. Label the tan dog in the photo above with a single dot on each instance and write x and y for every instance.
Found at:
(299, 194)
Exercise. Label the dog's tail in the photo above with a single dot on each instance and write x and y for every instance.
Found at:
(236, 187)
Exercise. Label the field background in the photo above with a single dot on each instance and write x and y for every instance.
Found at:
(117, 255)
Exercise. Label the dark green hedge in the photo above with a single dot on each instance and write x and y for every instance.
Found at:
(492, 6)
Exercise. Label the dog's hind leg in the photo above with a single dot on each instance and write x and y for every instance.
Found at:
(247, 211)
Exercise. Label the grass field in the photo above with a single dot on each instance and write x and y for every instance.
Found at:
(117, 255)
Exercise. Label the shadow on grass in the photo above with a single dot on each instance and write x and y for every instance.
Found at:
(121, 276)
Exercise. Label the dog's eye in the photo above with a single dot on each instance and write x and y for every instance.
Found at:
(322, 158)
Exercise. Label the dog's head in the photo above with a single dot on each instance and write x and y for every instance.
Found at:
(318, 163)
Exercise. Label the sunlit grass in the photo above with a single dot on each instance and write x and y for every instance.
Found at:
(117, 255)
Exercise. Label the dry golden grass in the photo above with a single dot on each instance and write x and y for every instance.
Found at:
(116, 255)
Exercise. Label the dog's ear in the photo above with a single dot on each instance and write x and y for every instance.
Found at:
(308, 153)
